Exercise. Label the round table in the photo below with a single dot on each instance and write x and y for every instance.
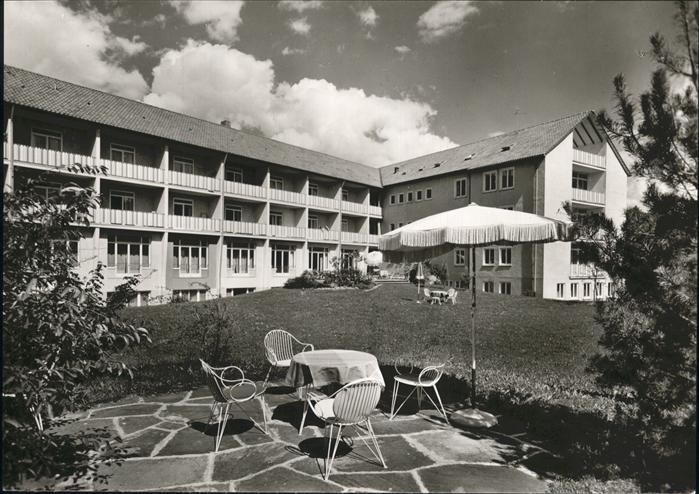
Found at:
(322, 367)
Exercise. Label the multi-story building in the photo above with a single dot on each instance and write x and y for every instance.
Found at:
(199, 209)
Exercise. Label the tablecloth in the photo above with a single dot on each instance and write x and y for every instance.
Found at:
(323, 367)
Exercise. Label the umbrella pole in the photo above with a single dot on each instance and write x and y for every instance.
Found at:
(473, 327)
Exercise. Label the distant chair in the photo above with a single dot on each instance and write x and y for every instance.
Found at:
(226, 391)
(451, 295)
(280, 347)
(350, 406)
(427, 378)
(433, 299)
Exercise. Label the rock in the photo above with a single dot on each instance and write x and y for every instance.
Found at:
(472, 417)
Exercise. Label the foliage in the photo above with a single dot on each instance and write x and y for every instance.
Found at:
(435, 272)
(649, 338)
(308, 279)
(336, 277)
(59, 333)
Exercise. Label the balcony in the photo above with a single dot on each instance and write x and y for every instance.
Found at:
(322, 202)
(322, 234)
(355, 238)
(104, 216)
(588, 196)
(245, 190)
(192, 223)
(589, 159)
(375, 211)
(374, 239)
(135, 172)
(286, 231)
(287, 196)
(202, 182)
(354, 207)
(244, 228)
(48, 158)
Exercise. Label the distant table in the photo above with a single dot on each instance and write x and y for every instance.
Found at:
(322, 367)
(440, 293)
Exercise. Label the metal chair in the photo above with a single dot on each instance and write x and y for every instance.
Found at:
(428, 377)
(451, 295)
(350, 406)
(433, 299)
(280, 347)
(227, 391)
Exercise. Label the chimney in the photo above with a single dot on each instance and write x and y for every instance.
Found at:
(226, 123)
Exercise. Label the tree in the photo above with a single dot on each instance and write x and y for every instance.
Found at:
(649, 339)
(59, 333)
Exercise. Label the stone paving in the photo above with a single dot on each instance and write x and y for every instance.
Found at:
(171, 449)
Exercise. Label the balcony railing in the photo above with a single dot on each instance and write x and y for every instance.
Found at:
(104, 216)
(375, 211)
(591, 159)
(244, 228)
(359, 238)
(354, 207)
(322, 234)
(47, 157)
(194, 224)
(247, 190)
(137, 172)
(195, 181)
(287, 196)
(286, 231)
(373, 239)
(588, 196)
(322, 202)
(586, 271)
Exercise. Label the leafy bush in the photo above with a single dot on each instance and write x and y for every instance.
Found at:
(308, 279)
(430, 270)
(351, 278)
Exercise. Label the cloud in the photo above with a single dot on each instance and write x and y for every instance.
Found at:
(402, 49)
(52, 39)
(222, 19)
(368, 16)
(299, 6)
(444, 19)
(216, 82)
(292, 51)
(300, 26)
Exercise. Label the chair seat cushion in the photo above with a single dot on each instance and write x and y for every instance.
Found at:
(324, 409)
(283, 363)
(243, 391)
(412, 380)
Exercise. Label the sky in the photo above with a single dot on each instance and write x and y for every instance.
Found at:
(372, 82)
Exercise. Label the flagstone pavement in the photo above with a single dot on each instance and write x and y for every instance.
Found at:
(171, 449)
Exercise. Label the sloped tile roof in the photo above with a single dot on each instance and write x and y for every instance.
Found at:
(40, 92)
(523, 143)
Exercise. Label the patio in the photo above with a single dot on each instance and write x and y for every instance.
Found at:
(169, 449)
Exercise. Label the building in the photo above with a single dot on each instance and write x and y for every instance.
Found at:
(199, 209)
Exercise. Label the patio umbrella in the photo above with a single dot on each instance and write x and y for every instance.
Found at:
(471, 226)
(419, 276)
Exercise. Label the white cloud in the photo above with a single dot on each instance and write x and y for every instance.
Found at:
(292, 51)
(52, 39)
(443, 19)
(222, 18)
(300, 6)
(300, 26)
(368, 16)
(402, 49)
(217, 82)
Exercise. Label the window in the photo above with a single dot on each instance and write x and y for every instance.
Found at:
(190, 259)
(318, 258)
(575, 254)
(460, 186)
(610, 290)
(580, 180)
(344, 225)
(490, 181)
(189, 295)
(121, 200)
(313, 221)
(128, 255)
(48, 191)
(489, 286)
(599, 286)
(183, 207)
(505, 288)
(276, 183)
(275, 218)
(489, 257)
(418, 195)
(282, 258)
(400, 225)
(392, 227)
(312, 189)
(505, 256)
(240, 258)
(234, 174)
(459, 257)
(125, 154)
(393, 198)
(345, 194)
(233, 213)
(349, 257)
(586, 290)
(560, 289)
(573, 290)
(507, 178)
(410, 197)
(183, 165)
(401, 198)
(428, 194)
(47, 139)
(232, 292)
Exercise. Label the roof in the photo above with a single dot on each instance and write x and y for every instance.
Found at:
(520, 144)
(29, 89)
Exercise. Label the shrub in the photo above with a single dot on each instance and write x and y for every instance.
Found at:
(309, 279)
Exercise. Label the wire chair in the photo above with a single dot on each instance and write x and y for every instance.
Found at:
(280, 347)
(451, 296)
(427, 378)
